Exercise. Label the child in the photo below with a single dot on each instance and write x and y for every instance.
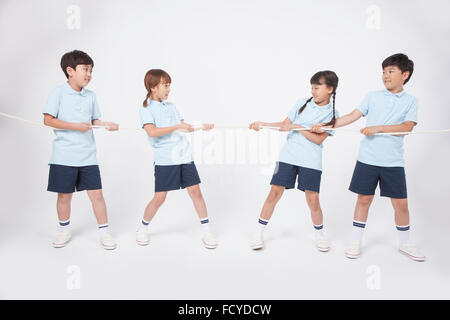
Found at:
(302, 154)
(174, 166)
(380, 158)
(71, 110)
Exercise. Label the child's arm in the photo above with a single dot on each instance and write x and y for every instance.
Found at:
(256, 125)
(287, 125)
(340, 122)
(53, 122)
(153, 131)
(406, 126)
(111, 126)
(316, 138)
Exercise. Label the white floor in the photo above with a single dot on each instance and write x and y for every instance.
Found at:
(176, 266)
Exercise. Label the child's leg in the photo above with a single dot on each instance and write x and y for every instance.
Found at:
(63, 209)
(200, 206)
(401, 218)
(153, 206)
(360, 216)
(199, 203)
(312, 198)
(98, 205)
(362, 208)
(271, 201)
(269, 206)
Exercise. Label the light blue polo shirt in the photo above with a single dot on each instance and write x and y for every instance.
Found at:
(298, 150)
(70, 147)
(385, 108)
(172, 148)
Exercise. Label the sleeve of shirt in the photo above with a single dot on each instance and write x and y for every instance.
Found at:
(364, 105)
(293, 112)
(95, 109)
(146, 116)
(411, 114)
(52, 105)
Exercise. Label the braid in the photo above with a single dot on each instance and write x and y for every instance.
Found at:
(146, 98)
(333, 120)
(304, 106)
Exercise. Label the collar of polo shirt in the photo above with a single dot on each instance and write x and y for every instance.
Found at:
(155, 101)
(70, 90)
(329, 105)
(398, 95)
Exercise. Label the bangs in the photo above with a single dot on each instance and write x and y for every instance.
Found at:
(318, 79)
(165, 78)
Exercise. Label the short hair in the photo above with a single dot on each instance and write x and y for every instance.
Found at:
(74, 58)
(402, 62)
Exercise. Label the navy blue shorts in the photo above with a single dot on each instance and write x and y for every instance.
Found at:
(175, 177)
(366, 177)
(66, 179)
(285, 175)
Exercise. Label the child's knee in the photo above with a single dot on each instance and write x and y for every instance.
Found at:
(364, 200)
(159, 198)
(274, 194)
(195, 193)
(96, 195)
(64, 197)
(312, 198)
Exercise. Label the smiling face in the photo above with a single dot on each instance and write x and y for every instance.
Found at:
(161, 91)
(321, 93)
(80, 77)
(394, 78)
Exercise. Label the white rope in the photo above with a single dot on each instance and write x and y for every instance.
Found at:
(232, 126)
(357, 131)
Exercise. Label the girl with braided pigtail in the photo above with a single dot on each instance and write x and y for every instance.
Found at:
(301, 156)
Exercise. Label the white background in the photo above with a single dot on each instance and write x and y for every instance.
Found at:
(231, 62)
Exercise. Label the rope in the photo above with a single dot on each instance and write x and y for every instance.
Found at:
(233, 126)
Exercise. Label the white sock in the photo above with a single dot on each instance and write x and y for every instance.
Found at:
(144, 224)
(205, 224)
(318, 229)
(262, 224)
(64, 225)
(103, 228)
(358, 230)
(403, 233)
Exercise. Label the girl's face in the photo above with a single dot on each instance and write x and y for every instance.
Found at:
(393, 78)
(81, 76)
(321, 93)
(161, 91)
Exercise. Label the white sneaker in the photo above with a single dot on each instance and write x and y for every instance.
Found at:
(353, 251)
(411, 251)
(62, 238)
(322, 243)
(257, 241)
(142, 237)
(107, 241)
(209, 241)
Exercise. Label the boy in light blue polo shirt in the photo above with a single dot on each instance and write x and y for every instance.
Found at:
(173, 162)
(380, 158)
(71, 109)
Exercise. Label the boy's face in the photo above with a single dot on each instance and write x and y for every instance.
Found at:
(393, 78)
(161, 91)
(81, 76)
(321, 93)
